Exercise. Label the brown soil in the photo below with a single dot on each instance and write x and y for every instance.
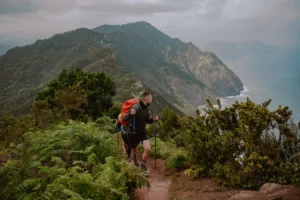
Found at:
(160, 183)
(201, 189)
(177, 186)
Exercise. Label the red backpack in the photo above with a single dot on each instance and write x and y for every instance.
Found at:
(126, 107)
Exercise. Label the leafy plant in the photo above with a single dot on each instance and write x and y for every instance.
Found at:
(78, 92)
(177, 160)
(244, 145)
(70, 161)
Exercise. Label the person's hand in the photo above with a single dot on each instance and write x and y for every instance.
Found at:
(133, 112)
(155, 117)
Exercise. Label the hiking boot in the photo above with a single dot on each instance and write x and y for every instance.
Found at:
(145, 169)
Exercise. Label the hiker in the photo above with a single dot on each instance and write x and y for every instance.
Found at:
(138, 116)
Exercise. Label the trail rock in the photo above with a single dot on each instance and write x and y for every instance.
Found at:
(276, 191)
(249, 195)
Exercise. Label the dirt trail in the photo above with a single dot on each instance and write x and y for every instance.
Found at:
(177, 185)
(160, 183)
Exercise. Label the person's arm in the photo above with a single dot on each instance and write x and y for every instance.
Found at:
(149, 119)
(127, 116)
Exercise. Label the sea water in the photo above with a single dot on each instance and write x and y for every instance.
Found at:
(265, 81)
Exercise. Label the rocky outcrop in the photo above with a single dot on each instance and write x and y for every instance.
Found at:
(209, 76)
(270, 191)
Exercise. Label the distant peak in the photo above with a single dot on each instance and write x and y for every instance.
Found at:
(141, 23)
(136, 24)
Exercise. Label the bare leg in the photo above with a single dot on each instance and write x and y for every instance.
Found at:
(134, 155)
(147, 149)
(124, 148)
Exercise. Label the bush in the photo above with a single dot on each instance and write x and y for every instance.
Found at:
(68, 161)
(12, 128)
(77, 94)
(243, 146)
(167, 125)
(163, 149)
(177, 160)
(114, 111)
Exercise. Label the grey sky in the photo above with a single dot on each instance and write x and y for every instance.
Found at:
(199, 21)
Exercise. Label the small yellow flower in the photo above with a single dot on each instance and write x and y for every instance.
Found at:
(246, 170)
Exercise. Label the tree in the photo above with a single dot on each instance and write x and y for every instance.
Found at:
(78, 93)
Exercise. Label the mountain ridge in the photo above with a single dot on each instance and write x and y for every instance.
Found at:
(168, 64)
(179, 74)
(45, 59)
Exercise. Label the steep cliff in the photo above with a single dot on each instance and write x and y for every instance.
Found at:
(178, 71)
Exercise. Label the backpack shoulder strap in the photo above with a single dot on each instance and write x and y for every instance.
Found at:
(137, 106)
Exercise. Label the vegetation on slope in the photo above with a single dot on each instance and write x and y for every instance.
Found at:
(60, 158)
(170, 67)
(72, 160)
(243, 146)
(49, 156)
(25, 71)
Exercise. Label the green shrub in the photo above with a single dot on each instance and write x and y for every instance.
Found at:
(163, 149)
(12, 128)
(243, 146)
(69, 161)
(79, 94)
(177, 160)
(167, 125)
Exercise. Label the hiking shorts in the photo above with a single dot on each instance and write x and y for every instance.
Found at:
(133, 139)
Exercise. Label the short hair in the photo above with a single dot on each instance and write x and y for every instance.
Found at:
(145, 95)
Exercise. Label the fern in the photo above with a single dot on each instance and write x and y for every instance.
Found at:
(79, 163)
(69, 193)
(58, 162)
(92, 160)
(177, 160)
(29, 185)
(73, 161)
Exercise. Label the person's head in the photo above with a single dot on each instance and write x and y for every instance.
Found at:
(146, 98)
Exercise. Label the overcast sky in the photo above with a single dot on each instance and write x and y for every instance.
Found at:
(199, 21)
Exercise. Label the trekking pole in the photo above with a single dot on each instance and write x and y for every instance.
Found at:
(155, 144)
(133, 123)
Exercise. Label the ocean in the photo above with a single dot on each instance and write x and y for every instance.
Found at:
(263, 81)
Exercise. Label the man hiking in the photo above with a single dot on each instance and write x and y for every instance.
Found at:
(138, 116)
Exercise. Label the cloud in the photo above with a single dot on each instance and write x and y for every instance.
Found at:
(17, 7)
(199, 21)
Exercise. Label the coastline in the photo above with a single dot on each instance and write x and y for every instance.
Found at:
(228, 100)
